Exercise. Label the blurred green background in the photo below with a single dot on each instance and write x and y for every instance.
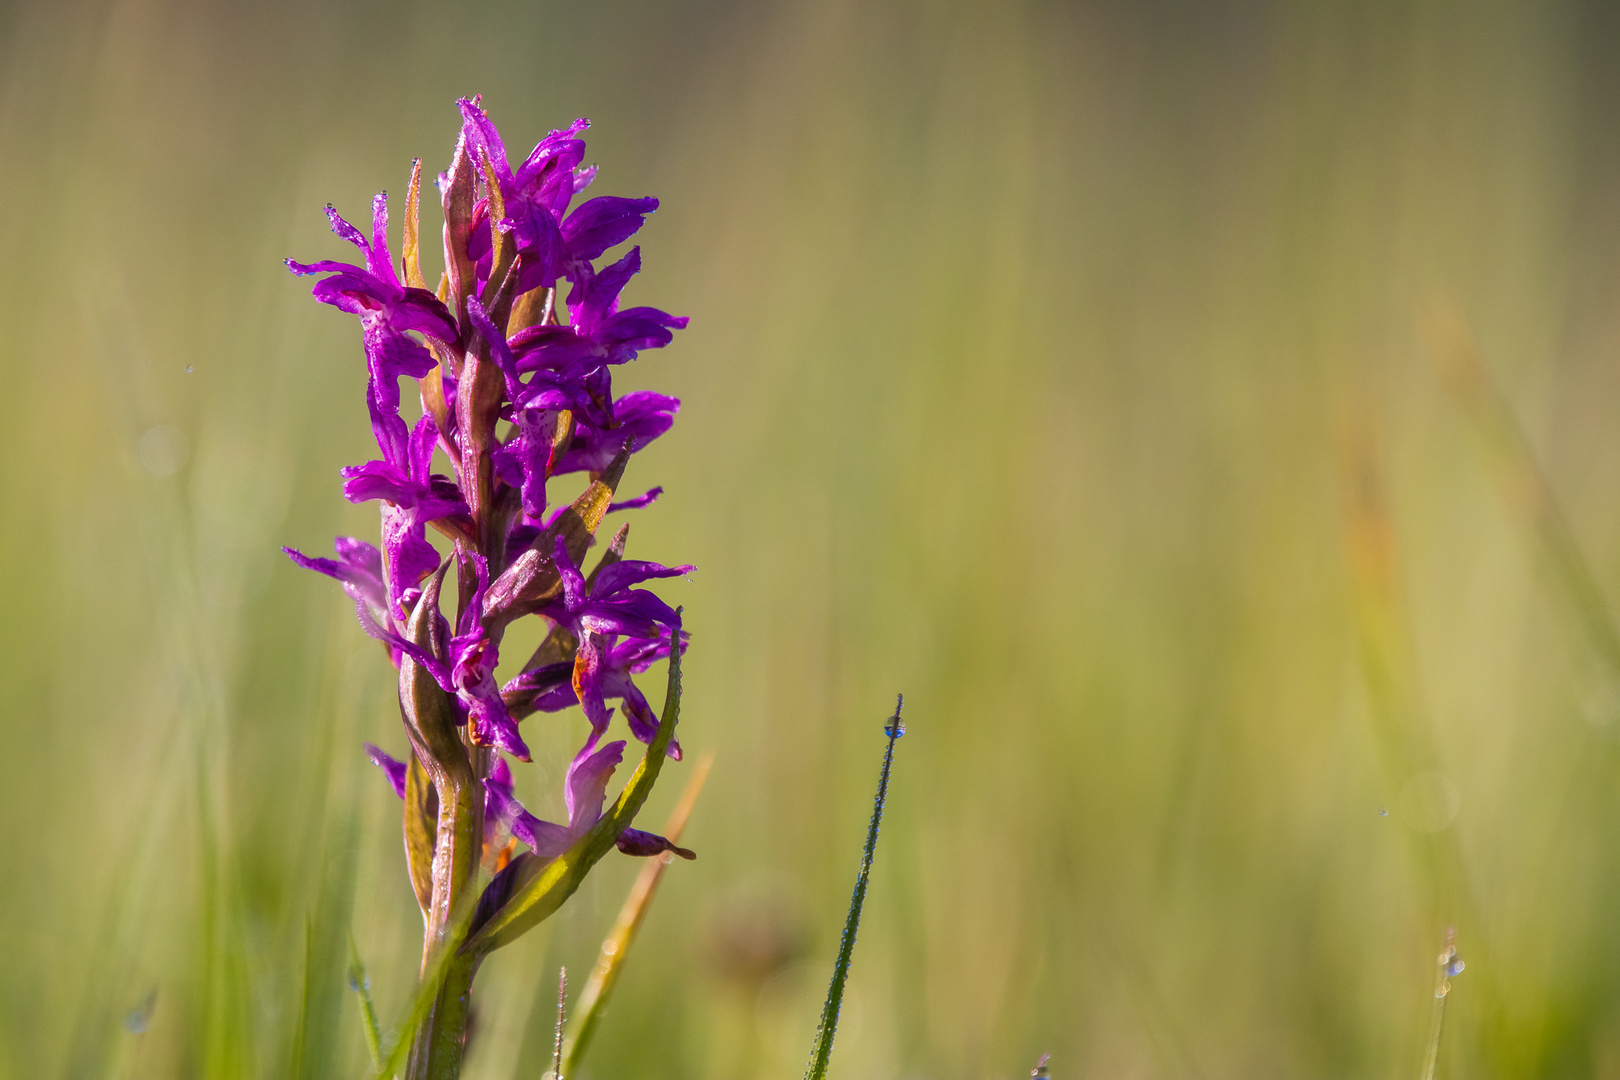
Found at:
(1069, 367)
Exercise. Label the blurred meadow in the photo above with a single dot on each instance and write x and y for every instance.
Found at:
(1139, 387)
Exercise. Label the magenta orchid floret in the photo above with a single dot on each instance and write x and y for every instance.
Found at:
(516, 389)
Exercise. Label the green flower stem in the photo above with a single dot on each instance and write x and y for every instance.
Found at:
(437, 1050)
(441, 1041)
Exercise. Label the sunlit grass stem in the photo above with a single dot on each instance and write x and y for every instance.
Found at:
(360, 983)
(1448, 966)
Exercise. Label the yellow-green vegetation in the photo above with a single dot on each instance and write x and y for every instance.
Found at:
(1204, 413)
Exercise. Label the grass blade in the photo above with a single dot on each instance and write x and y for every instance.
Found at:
(605, 975)
(328, 948)
(361, 985)
(822, 1051)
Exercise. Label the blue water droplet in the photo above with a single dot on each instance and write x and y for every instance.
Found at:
(138, 1019)
(1383, 811)
(189, 369)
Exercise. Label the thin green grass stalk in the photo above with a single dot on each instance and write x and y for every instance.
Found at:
(223, 1010)
(329, 947)
(562, 1017)
(1449, 966)
(360, 983)
(1431, 1054)
(822, 1051)
(610, 963)
(96, 1039)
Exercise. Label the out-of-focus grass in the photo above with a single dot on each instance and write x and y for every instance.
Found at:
(1025, 342)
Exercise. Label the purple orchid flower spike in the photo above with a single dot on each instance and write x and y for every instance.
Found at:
(387, 310)
(512, 414)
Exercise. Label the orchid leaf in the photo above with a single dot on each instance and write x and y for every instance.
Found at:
(421, 825)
